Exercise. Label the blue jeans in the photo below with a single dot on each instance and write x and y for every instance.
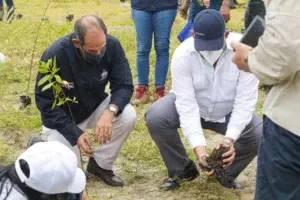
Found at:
(278, 166)
(158, 24)
(195, 8)
(9, 3)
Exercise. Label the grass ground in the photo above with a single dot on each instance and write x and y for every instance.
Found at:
(139, 164)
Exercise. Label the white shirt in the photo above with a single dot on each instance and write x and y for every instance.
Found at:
(203, 91)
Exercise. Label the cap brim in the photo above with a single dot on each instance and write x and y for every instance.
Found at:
(209, 45)
(79, 182)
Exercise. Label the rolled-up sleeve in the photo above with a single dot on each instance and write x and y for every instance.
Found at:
(186, 103)
(273, 60)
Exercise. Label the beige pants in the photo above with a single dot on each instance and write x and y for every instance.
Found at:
(106, 154)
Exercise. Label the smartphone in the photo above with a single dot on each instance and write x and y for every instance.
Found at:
(253, 32)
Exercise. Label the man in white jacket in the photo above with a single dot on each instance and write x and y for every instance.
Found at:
(208, 92)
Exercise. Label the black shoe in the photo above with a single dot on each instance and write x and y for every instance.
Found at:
(34, 139)
(188, 174)
(232, 185)
(106, 176)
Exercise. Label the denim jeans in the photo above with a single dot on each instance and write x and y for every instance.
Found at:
(195, 8)
(9, 3)
(278, 166)
(158, 24)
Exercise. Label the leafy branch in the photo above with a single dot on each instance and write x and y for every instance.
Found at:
(53, 81)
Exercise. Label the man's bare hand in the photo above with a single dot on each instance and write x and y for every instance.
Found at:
(84, 144)
(225, 12)
(184, 8)
(228, 156)
(240, 58)
(206, 3)
(202, 156)
(103, 130)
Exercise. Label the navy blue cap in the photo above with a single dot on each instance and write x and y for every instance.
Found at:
(209, 27)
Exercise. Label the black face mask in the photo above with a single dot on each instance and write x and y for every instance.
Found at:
(93, 58)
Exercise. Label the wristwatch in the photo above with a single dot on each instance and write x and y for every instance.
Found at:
(112, 109)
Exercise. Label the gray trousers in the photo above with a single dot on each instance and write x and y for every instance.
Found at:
(106, 154)
(163, 121)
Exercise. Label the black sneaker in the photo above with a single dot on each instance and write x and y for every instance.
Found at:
(10, 14)
(188, 174)
(106, 176)
(34, 139)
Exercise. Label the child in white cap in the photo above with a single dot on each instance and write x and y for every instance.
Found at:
(46, 170)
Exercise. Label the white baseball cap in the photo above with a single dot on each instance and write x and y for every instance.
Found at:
(53, 169)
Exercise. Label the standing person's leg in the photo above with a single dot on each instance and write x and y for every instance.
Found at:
(1, 10)
(101, 164)
(194, 9)
(144, 31)
(254, 7)
(163, 121)
(10, 11)
(246, 147)
(215, 4)
(278, 167)
(162, 24)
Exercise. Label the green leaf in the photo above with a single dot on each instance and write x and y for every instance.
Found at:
(43, 70)
(56, 70)
(49, 63)
(46, 87)
(61, 102)
(43, 80)
(74, 100)
(54, 103)
(58, 79)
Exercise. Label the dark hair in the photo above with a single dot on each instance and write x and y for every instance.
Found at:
(81, 26)
(8, 173)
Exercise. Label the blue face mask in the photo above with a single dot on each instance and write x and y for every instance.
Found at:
(93, 58)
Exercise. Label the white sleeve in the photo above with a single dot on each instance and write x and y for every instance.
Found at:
(244, 104)
(186, 103)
